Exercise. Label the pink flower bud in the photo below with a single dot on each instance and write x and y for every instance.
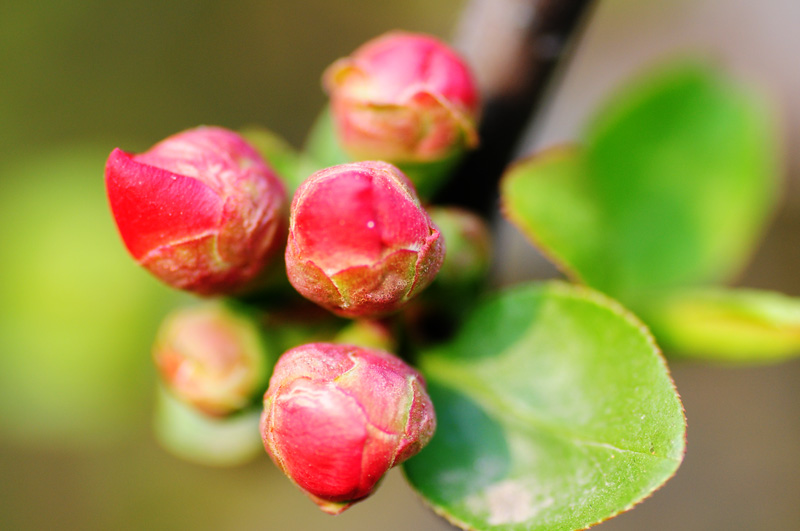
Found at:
(200, 210)
(338, 417)
(360, 244)
(403, 97)
(211, 357)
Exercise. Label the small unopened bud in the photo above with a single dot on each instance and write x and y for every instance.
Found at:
(438, 313)
(403, 97)
(212, 357)
(360, 244)
(200, 210)
(469, 247)
(338, 417)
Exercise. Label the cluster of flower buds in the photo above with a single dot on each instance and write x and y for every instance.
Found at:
(204, 212)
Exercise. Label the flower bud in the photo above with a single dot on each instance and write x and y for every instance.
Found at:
(211, 357)
(360, 244)
(200, 210)
(403, 97)
(469, 247)
(338, 417)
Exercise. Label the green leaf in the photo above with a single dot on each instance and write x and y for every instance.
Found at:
(672, 189)
(546, 197)
(555, 412)
(732, 325)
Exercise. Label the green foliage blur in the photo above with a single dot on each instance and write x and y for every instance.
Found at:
(77, 313)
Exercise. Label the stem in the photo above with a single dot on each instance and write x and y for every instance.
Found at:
(514, 47)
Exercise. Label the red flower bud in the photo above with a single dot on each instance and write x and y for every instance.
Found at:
(211, 357)
(338, 417)
(360, 244)
(200, 210)
(403, 97)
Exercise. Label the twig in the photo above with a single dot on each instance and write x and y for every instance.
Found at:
(514, 47)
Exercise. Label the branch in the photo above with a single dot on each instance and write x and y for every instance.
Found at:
(514, 47)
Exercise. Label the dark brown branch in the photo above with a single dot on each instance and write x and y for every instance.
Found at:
(514, 47)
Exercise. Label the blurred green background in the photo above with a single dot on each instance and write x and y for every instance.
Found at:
(77, 317)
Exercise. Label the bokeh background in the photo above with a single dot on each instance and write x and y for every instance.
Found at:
(77, 316)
